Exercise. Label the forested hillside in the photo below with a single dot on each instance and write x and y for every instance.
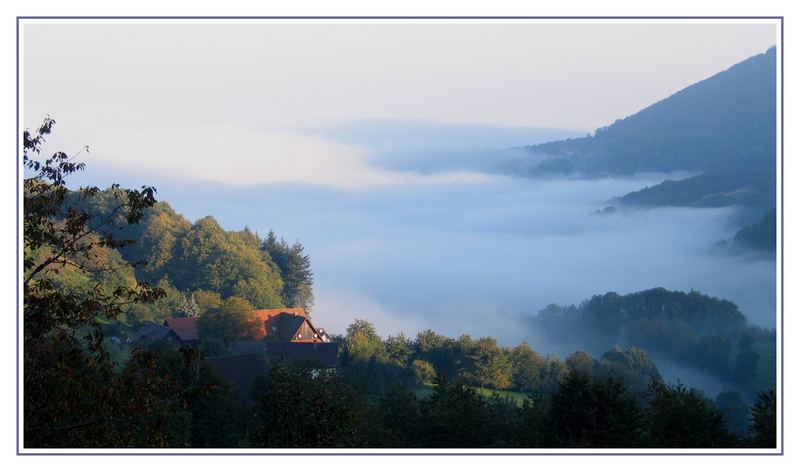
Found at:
(752, 189)
(691, 328)
(759, 235)
(198, 260)
(726, 122)
(724, 126)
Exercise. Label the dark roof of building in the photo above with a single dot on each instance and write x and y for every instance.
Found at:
(266, 315)
(186, 328)
(289, 353)
(153, 330)
(240, 370)
(283, 326)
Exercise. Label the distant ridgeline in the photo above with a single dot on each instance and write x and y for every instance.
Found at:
(753, 192)
(709, 190)
(690, 328)
(725, 122)
(723, 127)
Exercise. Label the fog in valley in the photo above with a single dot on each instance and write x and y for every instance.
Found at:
(461, 245)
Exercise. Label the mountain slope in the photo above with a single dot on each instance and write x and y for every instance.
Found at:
(725, 122)
(710, 189)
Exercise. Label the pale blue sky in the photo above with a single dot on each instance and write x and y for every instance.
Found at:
(244, 104)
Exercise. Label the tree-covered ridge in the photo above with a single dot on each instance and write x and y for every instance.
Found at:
(691, 328)
(200, 260)
(398, 392)
(752, 192)
(708, 190)
(759, 236)
(725, 122)
(374, 364)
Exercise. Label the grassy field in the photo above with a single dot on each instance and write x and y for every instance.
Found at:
(116, 341)
(425, 390)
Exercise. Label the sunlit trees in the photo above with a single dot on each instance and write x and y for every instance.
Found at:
(362, 341)
(399, 349)
(209, 258)
(525, 367)
(424, 373)
(295, 269)
(490, 365)
(158, 233)
(231, 321)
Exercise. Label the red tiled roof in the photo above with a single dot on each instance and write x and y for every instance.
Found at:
(264, 314)
(186, 328)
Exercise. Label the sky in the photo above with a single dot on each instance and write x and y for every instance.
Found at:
(369, 144)
(245, 104)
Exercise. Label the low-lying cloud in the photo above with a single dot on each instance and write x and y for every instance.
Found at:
(464, 251)
(470, 257)
(240, 157)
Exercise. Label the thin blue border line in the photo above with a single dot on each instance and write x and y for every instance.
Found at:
(781, 453)
(396, 454)
(16, 268)
(782, 331)
(401, 17)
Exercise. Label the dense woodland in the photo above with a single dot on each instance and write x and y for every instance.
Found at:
(753, 189)
(760, 235)
(97, 263)
(696, 330)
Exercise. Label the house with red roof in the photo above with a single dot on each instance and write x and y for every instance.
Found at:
(276, 324)
(290, 337)
(186, 330)
(288, 325)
